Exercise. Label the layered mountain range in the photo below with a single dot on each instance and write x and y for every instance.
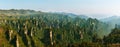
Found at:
(29, 28)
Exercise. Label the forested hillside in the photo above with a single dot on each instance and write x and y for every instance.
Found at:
(29, 28)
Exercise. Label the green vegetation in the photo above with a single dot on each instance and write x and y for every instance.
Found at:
(29, 28)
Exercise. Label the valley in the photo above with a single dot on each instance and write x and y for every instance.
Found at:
(29, 28)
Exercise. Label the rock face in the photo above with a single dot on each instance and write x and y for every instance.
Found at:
(17, 42)
(51, 37)
(10, 34)
(26, 30)
(81, 35)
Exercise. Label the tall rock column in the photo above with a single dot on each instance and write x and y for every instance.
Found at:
(17, 42)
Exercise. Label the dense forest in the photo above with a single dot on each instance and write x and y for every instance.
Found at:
(29, 28)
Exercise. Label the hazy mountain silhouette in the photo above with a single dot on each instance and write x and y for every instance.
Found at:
(112, 20)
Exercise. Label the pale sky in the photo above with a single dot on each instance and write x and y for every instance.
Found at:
(70, 6)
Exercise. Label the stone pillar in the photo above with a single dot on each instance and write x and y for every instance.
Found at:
(17, 42)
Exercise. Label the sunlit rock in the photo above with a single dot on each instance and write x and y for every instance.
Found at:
(11, 32)
(17, 42)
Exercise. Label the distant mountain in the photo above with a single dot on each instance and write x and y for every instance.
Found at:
(15, 12)
(99, 16)
(73, 15)
(84, 16)
(112, 20)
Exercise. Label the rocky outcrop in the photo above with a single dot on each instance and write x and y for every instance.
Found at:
(17, 42)
(10, 34)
